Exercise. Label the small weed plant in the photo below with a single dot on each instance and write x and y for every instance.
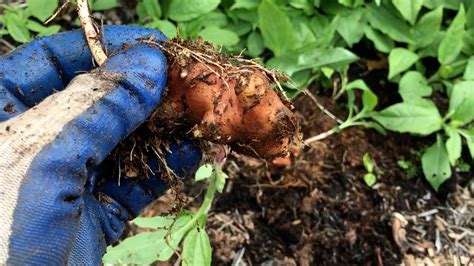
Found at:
(187, 227)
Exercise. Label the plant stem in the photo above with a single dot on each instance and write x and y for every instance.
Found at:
(90, 32)
(211, 191)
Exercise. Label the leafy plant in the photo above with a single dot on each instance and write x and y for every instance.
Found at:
(25, 22)
(188, 228)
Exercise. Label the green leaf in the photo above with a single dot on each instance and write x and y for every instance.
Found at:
(178, 231)
(42, 30)
(197, 248)
(369, 99)
(453, 145)
(219, 36)
(351, 3)
(165, 26)
(449, 4)
(304, 5)
(212, 19)
(220, 180)
(255, 44)
(468, 134)
(461, 102)
(413, 86)
(276, 28)
(469, 72)
(316, 58)
(41, 9)
(399, 60)
(383, 19)
(245, 4)
(381, 41)
(368, 164)
(351, 26)
(16, 27)
(452, 43)
(138, 249)
(370, 179)
(204, 172)
(426, 30)
(99, 5)
(408, 8)
(435, 163)
(418, 117)
(150, 8)
(154, 222)
(185, 10)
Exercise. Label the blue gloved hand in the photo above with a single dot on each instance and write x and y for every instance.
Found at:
(52, 149)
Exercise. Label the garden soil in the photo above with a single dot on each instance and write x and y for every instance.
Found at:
(315, 208)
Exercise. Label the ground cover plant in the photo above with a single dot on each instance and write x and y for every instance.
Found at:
(391, 66)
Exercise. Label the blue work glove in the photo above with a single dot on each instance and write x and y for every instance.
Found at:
(59, 201)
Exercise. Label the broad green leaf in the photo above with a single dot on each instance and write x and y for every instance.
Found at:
(369, 99)
(16, 27)
(413, 86)
(197, 248)
(240, 28)
(408, 8)
(449, 4)
(399, 60)
(151, 8)
(368, 164)
(323, 30)
(219, 36)
(138, 249)
(42, 30)
(351, 26)
(154, 222)
(381, 41)
(468, 42)
(451, 45)
(255, 44)
(370, 179)
(378, 2)
(461, 102)
(385, 20)
(204, 172)
(185, 10)
(165, 26)
(276, 28)
(426, 30)
(304, 34)
(304, 5)
(453, 69)
(351, 3)
(453, 145)
(245, 4)
(470, 17)
(435, 163)
(41, 9)
(469, 72)
(174, 237)
(468, 134)
(212, 19)
(316, 58)
(99, 5)
(418, 117)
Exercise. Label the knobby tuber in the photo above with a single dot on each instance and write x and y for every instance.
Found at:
(225, 101)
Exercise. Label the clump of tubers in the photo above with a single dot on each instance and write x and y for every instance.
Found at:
(225, 100)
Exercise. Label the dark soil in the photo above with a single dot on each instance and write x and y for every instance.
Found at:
(318, 209)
